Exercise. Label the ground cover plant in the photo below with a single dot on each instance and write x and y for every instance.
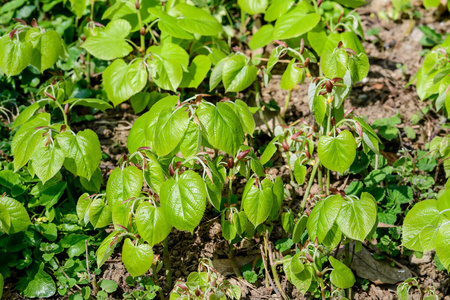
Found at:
(327, 205)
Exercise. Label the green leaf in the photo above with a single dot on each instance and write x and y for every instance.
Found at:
(18, 215)
(357, 217)
(106, 248)
(38, 285)
(302, 280)
(359, 67)
(421, 215)
(78, 7)
(257, 203)
(216, 74)
(292, 76)
(262, 37)
(154, 175)
(26, 114)
(122, 81)
(237, 74)
(228, 230)
(253, 7)
(5, 220)
(167, 73)
(110, 43)
(323, 43)
(137, 259)
(169, 25)
(277, 8)
(294, 24)
(192, 140)
(90, 102)
(322, 217)
(171, 51)
(221, 127)
(2, 283)
(299, 228)
(296, 264)
(351, 41)
(269, 151)
(47, 161)
(184, 200)
(151, 223)
(341, 276)
(197, 71)
(197, 20)
(245, 116)
(83, 208)
(443, 244)
(95, 183)
(47, 47)
(351, 3)
(171, 127)
(124, 184)
(15, 55)
(109, 286)
(27, 139)
(99, 213)
(334, 64)
(431, 3)
(82, 151)
(138, 136)
(337, 153)
(299, 172)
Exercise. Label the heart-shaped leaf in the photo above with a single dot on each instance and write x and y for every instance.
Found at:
(221, 127)
(124, 184)
(110, 43)
(82, 151)
(15, 55)
(294, 24)
(17, 216)
(253, 7)
(123, 81)
(341, 276)
(151, 223)
(47, 47)
(47, 161)
(184, 200)
(197, 20)
(137, 259)
(337, 153)
(322, 217)
(257, 203)
(237, 74)
(357, 217)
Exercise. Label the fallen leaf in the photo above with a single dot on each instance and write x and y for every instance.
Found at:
(378, 271)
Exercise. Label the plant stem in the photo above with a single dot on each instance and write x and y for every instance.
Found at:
(155, 278)
(285, 61)
(293, 184)
(91, 276)
(166, 260)
(328, 182)
(142, 36)
(310, 183)
(258, 104)
(231, 256)
(320, 178)
(275, 273)
(286, 103)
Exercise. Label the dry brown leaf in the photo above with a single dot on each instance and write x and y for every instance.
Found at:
(378, 271)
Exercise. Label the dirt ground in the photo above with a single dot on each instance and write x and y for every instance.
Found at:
(393, 60)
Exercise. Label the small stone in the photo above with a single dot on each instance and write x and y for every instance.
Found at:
(426, 258)
(124, 106)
